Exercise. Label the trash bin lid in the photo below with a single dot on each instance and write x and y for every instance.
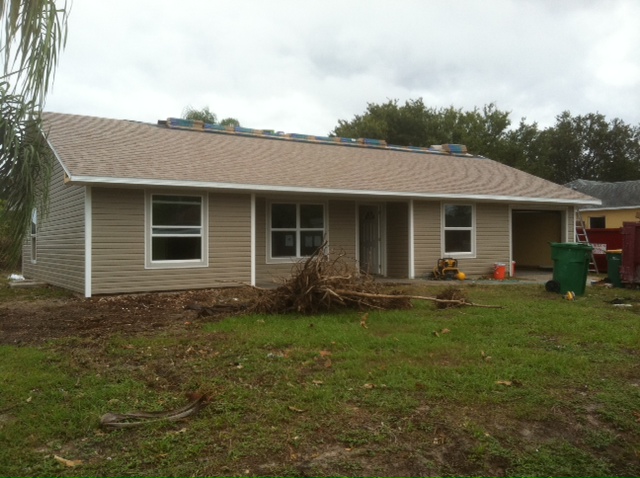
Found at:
(570, 245)
(614, 251)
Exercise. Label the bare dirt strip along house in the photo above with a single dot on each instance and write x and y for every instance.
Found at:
(180, 204)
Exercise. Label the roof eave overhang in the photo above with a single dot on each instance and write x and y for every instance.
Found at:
(610, 208)
(140, 182)
(67, 174)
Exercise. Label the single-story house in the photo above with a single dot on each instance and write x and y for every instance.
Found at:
(620, 202)
(180, 204)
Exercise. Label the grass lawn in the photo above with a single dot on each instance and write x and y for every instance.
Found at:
(540, 387)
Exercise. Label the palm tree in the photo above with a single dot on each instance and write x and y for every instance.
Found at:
(32, 35)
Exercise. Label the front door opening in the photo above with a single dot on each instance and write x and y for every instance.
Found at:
(369, 243)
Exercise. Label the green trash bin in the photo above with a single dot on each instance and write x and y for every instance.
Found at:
(614, 261)
(570, 267)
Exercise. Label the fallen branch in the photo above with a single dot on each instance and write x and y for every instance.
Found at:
(414, 297)
(123, 420)
(325, 282)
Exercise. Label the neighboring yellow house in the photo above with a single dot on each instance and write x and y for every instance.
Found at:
(609, 218)
(620, 203)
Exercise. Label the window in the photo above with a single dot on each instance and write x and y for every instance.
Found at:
(296, 230)
(597, 222)
(459, 233)
(176, 231)
(34, 235)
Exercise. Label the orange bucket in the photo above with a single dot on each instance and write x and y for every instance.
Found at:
(499, 271)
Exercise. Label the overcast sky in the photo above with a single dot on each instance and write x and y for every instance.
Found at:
(299, 66)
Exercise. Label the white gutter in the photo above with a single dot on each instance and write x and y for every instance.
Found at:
(603, 209)
(87, 180)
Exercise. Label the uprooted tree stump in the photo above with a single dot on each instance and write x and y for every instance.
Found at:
(322, 284)
(325, 283)
(451, 297)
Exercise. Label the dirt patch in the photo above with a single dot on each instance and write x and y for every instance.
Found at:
(38, 321)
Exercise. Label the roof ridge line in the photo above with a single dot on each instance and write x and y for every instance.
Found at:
(201, 126)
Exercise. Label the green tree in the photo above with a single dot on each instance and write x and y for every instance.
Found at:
(521, 148)
(623, 153)
(32, 37)
(590, 147)
(414, 124)
(403, 125)
(207, 116)
(576, 147)
(230, 122)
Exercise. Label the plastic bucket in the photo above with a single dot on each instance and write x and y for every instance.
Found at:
(499, 271)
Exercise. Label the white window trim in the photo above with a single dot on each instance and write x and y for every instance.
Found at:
(471, 254)
(293, 259)
(179, 264)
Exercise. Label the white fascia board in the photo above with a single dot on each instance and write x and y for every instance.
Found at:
(57, 156)
(89, 180)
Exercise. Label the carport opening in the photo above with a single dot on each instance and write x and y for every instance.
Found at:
(532, 231)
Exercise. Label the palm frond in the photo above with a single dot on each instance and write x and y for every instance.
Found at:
(25, 170)
(35, 32)
(32, 35)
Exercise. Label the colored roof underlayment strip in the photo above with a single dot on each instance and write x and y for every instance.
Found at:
(196, 125)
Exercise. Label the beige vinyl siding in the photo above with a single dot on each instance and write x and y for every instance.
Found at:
(492, 239)
(230, 237)
(119, 245)
(340, 231)
(426, 237)
(118, 241)
(60, 238)
(397, 239)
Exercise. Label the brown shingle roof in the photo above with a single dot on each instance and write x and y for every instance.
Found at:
(99, 150)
